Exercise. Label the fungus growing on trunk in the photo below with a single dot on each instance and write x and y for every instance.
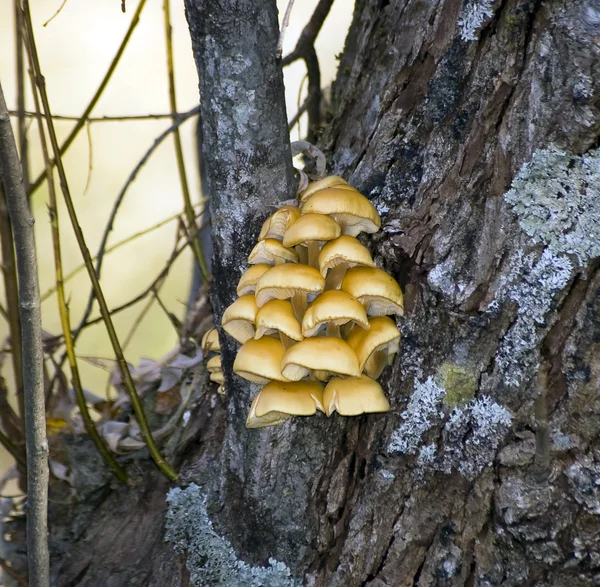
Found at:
(321, 184)
(333, 308)
(339, 255)
(278, 401)
(250, 277)
(210, 342)
(328, 355)
(311, 231)
(276, 224)
(271, 252)
(353, 397)
(260, 360)
(375, 289)
(277, 317)
(376, 346)
(238, 319)
(295, 282)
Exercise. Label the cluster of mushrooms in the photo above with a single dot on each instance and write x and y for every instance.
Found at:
(313, 310)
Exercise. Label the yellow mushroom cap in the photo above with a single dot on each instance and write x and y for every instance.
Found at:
(336, 307)
(217, 377)
(381, 336)
(214, 364)
(327, 354)
(271, 252)
(259, 360)
(349, 208)
(311, 227)
(278, 401)
(352, 397)
(278, 316)
(345, 250)
(321, 184)
(276, 224)
(373, 287)
(250, 277)
(238, 319)
(210, 341)
(284, 281)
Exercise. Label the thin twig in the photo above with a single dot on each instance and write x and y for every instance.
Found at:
(82, 120)
(58, 11)
(119, 201)
(33, 357)
(113, 248)
(185, 190)
(123, 368)
(63, 308)
(90, 119)
(305, 49)
(9, 272)
(137, 322)
(20, 67)
(284, 25)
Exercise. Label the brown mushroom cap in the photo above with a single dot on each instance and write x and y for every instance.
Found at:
(352, 397)
(310, 228)
(271, 252)
(345, 250)
(259, 360)
(382, 337)
(250, 277)
(285, 281)
(278, 401)
(217, 377)
(349, 208)
(373, 287)
(321, 184)
(327, 354)
(333, 307)
(238, 319)
(276, 224)
(210, 342)
(278, 316)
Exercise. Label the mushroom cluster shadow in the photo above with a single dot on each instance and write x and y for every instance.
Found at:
(313, 312)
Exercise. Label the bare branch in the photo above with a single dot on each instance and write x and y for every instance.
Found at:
(33, 357)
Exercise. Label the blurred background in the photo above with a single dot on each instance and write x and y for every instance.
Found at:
(76, 41)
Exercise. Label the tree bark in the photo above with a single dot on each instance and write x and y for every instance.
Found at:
(437, 108)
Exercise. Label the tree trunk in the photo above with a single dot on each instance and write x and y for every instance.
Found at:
(472, 127)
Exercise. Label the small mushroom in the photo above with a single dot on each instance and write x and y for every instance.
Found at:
(217, 377)
(250, 277)
(375, 289)
(328, 355)
(334, 308)
(338, 255)
(321, 184)
(276, 224)
(210, 342)
(311, 231)
(278, 401)
(352, 397)
(259, 360)
(375, 347)
(214, 364)
(277, 316)
(271, 252)
(349, 208)
(238, 319)
(287, 281)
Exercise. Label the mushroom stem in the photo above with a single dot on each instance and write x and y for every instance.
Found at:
(302, 254)
(300, 305)
(335, 277)
(375, 364)
(313, 254)
(333, 329)
(286, 341)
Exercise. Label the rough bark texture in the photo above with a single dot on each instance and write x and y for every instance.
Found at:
(437, 107)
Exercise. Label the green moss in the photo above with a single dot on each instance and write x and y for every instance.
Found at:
(460, 384)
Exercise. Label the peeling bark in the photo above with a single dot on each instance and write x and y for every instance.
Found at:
(434, 129)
